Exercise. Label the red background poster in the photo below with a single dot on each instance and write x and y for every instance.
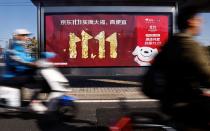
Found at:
(152, 30)
(102, 40)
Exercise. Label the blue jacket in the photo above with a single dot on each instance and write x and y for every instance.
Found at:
(15, 60)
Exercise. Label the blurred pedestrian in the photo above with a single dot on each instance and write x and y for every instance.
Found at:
(184, 66)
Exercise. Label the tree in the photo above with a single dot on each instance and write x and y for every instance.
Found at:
(33, 47)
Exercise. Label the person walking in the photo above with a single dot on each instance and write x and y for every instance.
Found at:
(184, 66)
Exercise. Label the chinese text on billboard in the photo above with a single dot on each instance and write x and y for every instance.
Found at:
(104, 40)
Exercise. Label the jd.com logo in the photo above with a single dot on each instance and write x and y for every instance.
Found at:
(151, 20)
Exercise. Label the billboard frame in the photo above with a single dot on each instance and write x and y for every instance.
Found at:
(101, 71)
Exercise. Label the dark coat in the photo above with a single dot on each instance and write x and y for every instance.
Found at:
(185, 64)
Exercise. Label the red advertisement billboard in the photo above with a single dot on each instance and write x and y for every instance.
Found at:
(105, 40)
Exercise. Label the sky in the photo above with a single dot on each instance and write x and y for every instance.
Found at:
(16, 14)
(23, 14)
(204, 36)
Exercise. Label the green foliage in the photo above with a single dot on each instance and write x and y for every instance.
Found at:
(33, 47)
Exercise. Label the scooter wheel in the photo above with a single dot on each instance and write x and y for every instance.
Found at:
(68, 112)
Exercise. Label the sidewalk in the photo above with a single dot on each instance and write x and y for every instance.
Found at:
(102, 91)
(107, 93)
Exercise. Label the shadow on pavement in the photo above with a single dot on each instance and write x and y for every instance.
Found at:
(73, 125)
(35, 122)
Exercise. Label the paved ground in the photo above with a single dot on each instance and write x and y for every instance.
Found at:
(91, 116)
(103, 89)
(106, 93)
(130, 90)
(94, 95)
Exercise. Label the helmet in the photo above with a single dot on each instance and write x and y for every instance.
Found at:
(21, 32)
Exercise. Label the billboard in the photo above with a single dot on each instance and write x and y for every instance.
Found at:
(105, 40)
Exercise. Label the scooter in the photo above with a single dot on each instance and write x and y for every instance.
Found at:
(58, 103)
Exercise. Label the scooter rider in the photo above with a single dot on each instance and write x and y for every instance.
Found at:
(20, 66)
